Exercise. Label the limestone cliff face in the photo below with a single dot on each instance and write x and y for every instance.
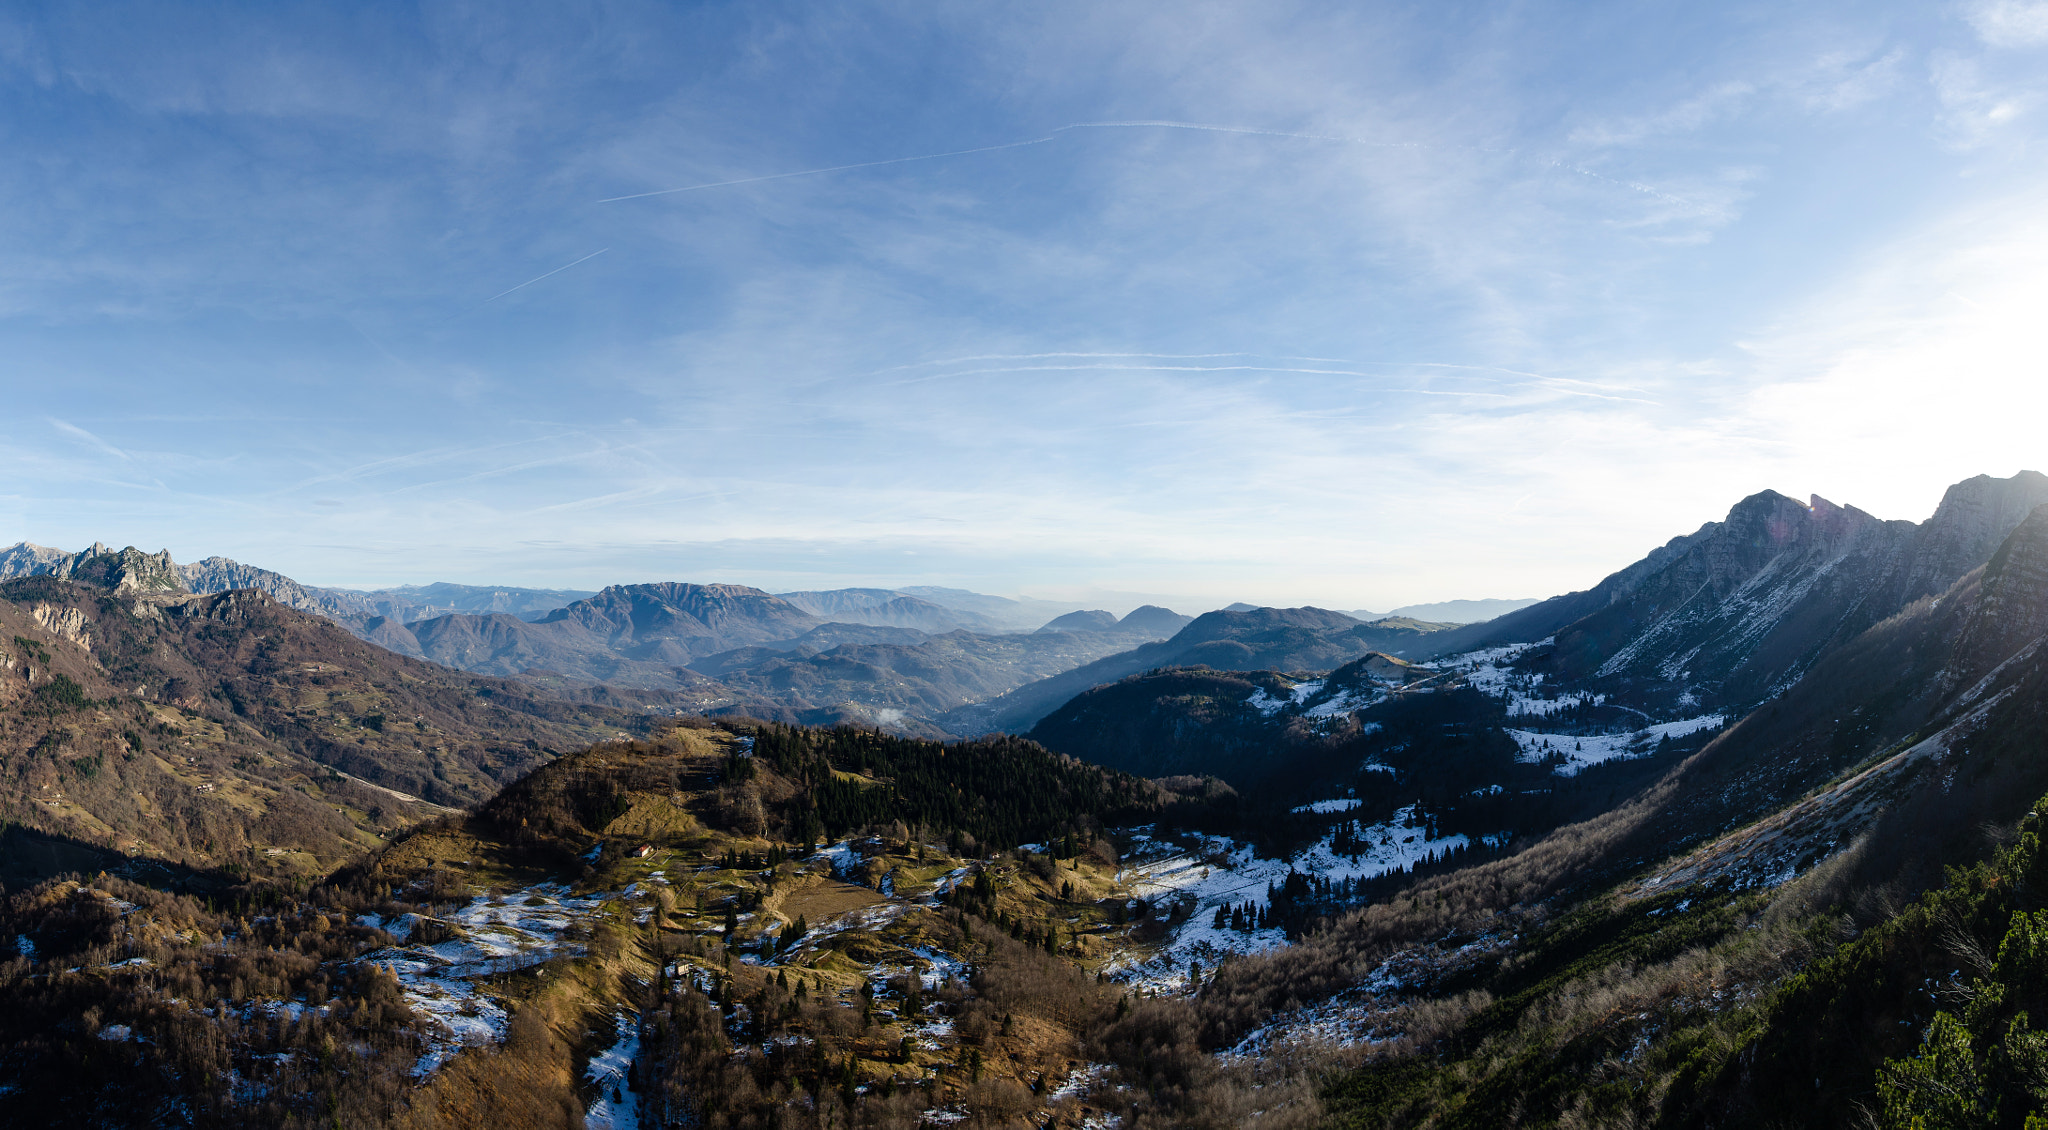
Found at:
(220, 574)
(2008, 603)
(66, 623)
(1974, 517)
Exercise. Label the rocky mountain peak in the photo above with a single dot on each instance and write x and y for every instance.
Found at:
(127, 571)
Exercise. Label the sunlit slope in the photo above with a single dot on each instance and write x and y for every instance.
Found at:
(228, 730)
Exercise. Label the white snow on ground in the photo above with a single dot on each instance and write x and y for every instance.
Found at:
(1344, 702)
(1326, 807)
(522, 929)
(1520, 704)
(24, 946)
(947, 882)
(1581, 751)
(1225, 873)
(1339, 703)
(1077, 1085)
(1268, 705)
(1361, 1013)
(867, 919)
(1486, 669)
(608, 1070)
(842, 857)
(941, 969)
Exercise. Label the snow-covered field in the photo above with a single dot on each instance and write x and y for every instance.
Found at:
(1488, 672)
(498, 935)
(1222, 872)
(1486, 669)
(616, 1107)
(1301, 700)
(1580, 751)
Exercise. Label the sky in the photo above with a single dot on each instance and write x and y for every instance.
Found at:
(1356, 305)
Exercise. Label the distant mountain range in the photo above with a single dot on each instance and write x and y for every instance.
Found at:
(867, 656)
(922, 659)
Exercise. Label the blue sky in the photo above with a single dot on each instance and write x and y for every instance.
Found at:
(1353, 305)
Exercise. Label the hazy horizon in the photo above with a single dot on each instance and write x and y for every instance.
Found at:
(1290, 304)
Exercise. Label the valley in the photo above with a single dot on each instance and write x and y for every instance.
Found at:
(1573, 866)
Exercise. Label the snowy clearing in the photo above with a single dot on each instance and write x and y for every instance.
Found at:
(496, 935)
(616, 1107)
(1222, 872)
(1580, 751)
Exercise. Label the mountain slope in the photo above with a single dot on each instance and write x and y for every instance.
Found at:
(1737, 610)
(199, 729)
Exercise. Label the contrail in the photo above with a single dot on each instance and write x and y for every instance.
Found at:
(830, 169)
(1051, 135)
(1126, 353)
(537, 278)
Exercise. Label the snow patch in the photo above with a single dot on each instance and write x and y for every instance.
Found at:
(1223, 872)
(497, 935)
(1582, 750)
(616, 1107)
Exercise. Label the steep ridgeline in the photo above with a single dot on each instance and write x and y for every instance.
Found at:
(1270, 639)
(1917, 735)
(1596, 694)
(205, 730)
(627, 635)
(929, 608)
(365, 612)
(1737, 611)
